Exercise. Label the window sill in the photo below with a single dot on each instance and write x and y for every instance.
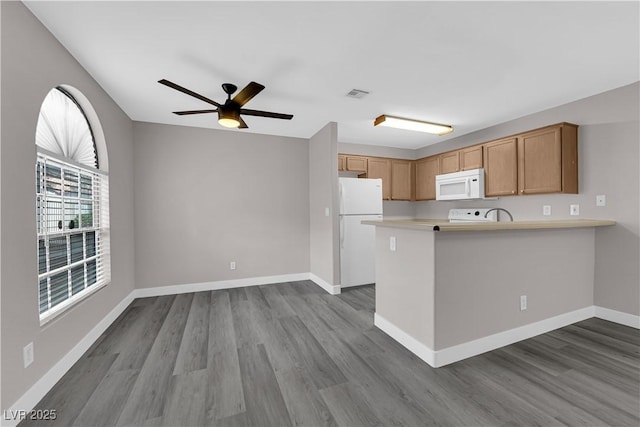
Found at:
(64, 307)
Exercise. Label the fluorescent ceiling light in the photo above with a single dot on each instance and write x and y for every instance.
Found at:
(410, 124)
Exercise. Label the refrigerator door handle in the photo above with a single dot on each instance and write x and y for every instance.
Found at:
(341, 232)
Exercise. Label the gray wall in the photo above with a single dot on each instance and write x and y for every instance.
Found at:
(449, 288)
(207, 197)
(480, 295)
(33, 62)
(406, 281)
(323, 194)
(1, 404)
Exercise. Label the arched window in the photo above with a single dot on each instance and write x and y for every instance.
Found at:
(72, 206)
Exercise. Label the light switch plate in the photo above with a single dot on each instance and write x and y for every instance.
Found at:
(601, 200)
(27, 354)
(392, 243)
(574, 210)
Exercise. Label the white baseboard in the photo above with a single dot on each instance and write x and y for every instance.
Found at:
(482, 345)
(29, 400)
(218, 285)
(412, 344)
(332, 289)
(617, 317)
(438, 358)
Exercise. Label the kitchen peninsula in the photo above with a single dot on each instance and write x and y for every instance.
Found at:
(450, 291)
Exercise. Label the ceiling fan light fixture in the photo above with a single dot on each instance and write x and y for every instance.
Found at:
(229, 118)
(411, 124)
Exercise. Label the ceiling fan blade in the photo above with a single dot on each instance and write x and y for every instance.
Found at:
(249, 91)
(266, 114)
(243, 125)
(184, 113)
(188, 92)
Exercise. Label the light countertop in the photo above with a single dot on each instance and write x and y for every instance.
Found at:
(445, 225)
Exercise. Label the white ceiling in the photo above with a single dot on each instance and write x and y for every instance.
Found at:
(469, 64)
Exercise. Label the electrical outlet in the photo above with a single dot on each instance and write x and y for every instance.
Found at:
(601, 200)
(392, 243)
(523, 302)
(232, 265)
(27, 354)
(546, 210)
(574, 210)
(326, 211)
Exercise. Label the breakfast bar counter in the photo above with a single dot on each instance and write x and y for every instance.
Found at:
(445, 225)
(447, 296)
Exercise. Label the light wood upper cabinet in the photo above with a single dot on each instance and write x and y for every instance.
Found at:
(548, 160)
(501, 167)
(355, 164)
(401, 179)
(426, 171)
(381, 168)
(450, 162)
(471, 158)
(543, 160)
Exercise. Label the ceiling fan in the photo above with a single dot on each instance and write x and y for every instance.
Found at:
(229, 112)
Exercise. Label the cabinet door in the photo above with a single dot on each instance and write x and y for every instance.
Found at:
(449, 162)
(426, 171)
(341, 162)
(471, 158)
(501, 167)
(381, 168)
(540, 161)
(401, 179)
(356, 164)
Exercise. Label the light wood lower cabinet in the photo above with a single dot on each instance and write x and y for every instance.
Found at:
(401, 179)
(381, 168)
(501, 167)
(426, 171)
(548, 160)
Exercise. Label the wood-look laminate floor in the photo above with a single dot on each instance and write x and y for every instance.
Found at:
(290, 354)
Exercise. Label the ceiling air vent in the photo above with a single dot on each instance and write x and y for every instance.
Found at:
(357, 93)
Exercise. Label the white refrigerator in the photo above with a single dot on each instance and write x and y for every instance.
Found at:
(360, 199)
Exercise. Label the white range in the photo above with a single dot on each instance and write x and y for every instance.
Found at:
(473, 215)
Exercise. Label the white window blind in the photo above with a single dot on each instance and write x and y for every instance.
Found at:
(63, 129)
(73, 232)
(72, 207)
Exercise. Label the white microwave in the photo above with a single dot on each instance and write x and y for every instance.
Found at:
(463, 185)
